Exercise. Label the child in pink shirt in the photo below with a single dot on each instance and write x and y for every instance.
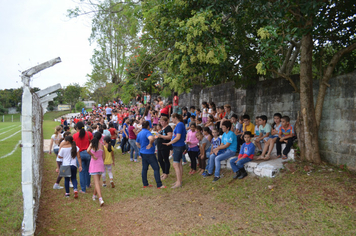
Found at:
(193, 149)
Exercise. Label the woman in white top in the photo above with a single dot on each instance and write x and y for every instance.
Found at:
(55, 140)
(68, 153)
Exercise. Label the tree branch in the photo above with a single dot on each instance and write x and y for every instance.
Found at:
(287, 77)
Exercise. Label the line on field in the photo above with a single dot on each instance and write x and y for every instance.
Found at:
(7, 131)
(10, 136)
(12, 152)
(7, 127)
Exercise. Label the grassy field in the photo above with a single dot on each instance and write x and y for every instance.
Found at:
(11, 213)
(10, 180)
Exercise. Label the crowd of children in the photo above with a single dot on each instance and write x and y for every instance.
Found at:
(211, 134)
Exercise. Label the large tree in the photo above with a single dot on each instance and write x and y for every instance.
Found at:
(325, 31)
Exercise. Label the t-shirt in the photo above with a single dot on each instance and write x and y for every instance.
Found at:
(165, 110)
(83, 143)
(265, 130)
(112, 133)
(247, 150)
(216, 142)
(160, 141)
(67, 160)
(188, 116)
(142, 139)
(132, 135)
(257, 130)
(229, 115)
(230, 137)
(286, 131)
(250, 128)
(179, 129)
(124, 126)
(175, 101)
(206, 141)
(239, 126)
(108, 157)
(114, 119)
(56, 139)
(108, 111)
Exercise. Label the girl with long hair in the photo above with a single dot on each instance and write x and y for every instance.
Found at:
(96, 167)
(82, 139)
(68, 153)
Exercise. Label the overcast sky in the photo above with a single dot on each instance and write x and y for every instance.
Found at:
(36, 31)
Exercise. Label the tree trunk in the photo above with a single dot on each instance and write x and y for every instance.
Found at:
(310, 140)
(300, 134)
(325, 80)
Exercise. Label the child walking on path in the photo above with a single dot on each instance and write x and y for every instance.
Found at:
(109, 161)
(68, 153)
(55, 141)
(96, 167)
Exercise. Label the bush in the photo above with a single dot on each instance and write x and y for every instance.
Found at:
(79, 106)
(3, 110)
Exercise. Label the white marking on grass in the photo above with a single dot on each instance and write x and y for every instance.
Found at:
(12, 152)
(7, 131)
(10, 136)
(7, 127)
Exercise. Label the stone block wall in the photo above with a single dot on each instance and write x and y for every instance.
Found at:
(337, 133)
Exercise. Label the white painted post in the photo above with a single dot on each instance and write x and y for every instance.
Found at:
(27, 150)
(12, 118)
(3, 118)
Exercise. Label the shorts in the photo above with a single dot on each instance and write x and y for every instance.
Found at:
(56, 151)
(178, 153)
(154, 124)
(96, 173)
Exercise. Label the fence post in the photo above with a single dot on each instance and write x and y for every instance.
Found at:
(3, 118)
(12, 118)
(27, 150)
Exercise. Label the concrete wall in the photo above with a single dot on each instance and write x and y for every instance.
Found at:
(337, 132)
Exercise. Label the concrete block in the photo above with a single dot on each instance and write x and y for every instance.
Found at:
(341, 148)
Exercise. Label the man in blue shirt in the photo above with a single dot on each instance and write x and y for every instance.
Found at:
(228, 146)
(145, 141)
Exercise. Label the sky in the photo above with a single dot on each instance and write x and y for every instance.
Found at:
(33, 32)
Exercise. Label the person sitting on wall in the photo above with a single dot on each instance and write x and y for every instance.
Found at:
(228, 114)
(246, 155)
(247, 126)
(228, 144)
(286, 135)
(265, 131)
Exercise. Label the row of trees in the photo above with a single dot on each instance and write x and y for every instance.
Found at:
(160, 46)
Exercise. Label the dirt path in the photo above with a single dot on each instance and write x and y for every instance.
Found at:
(153, 212)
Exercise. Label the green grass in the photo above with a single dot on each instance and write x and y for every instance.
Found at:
(11, 203)
(10, 180)
(296, 204)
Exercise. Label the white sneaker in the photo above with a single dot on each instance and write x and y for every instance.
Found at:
(101, 203)
(170, 157)
(57, 186)
(70, 185)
